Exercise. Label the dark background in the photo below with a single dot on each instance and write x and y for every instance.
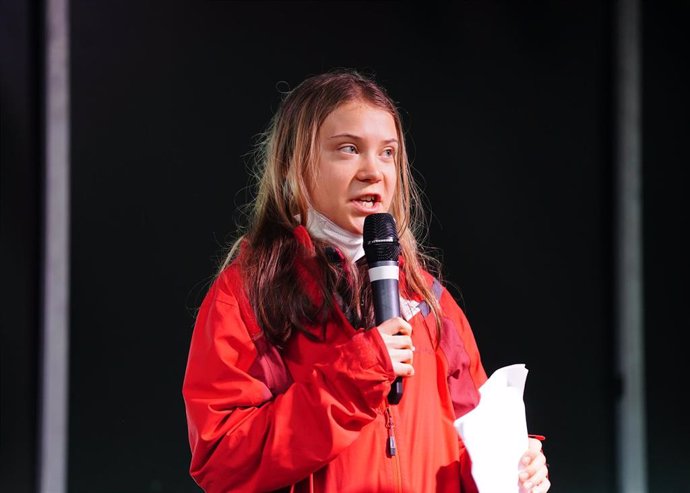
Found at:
(510, 109)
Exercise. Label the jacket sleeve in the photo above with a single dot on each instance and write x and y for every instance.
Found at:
(245, 438)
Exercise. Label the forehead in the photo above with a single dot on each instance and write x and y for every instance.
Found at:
(359, 118)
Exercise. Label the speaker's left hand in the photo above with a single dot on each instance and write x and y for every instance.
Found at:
(534, 476)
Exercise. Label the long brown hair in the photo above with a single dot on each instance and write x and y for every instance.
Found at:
(286, 161)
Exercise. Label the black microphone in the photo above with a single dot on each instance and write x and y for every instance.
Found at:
(382, 249)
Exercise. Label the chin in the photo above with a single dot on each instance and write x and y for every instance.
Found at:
(356, 227)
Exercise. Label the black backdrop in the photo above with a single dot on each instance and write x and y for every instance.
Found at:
(510, 111)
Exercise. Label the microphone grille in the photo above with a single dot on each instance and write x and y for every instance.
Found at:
(380, 238)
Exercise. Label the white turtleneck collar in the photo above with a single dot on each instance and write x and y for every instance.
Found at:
(352, 246)
(322, 228)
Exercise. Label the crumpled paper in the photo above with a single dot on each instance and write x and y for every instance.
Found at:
(495, 432)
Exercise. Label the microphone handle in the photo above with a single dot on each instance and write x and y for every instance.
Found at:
(387, 305)
(396, 391)
(386, 299)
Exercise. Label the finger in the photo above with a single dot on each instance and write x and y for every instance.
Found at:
(403, 369)
(395, 325)
(405, 327)
(537, 479)
(533, 452)
(400, 342)
(401, 355)
(534, 445)
(535, 473)
(397, 342)
(543, 487)
(532, 462)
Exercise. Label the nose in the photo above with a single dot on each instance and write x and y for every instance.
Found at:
(369, 169)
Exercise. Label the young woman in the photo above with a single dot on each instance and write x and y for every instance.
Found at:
(287, 380)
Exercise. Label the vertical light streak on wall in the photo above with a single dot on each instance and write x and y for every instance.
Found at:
(631, 446)
(55, 318)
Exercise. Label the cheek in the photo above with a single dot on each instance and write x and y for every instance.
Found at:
(334, 182)
(327, 193)
(391, 185)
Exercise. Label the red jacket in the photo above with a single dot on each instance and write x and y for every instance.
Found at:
(314, 417)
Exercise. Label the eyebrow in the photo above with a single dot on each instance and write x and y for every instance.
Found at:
(356, 137)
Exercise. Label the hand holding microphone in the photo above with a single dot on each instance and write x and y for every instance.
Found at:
(382, 250)
(397, 335)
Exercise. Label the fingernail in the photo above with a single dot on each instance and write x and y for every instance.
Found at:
(525, 459)
(528, 485)
(523, 476)
(413, 348)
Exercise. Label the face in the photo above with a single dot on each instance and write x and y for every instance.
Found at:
(356, 170)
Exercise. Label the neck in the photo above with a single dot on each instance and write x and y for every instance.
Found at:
(322, 228)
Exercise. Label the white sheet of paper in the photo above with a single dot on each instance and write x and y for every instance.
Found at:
(495, 432)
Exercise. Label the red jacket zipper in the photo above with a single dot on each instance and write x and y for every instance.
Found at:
(392, 448)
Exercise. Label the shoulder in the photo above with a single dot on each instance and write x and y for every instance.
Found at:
(437, 288)
(222, 287)
(450, 308)
(227, 298)
(229, 281)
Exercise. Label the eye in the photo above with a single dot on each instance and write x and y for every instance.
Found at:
(389, 152)
(350, 149)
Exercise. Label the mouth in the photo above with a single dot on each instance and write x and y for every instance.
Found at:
(368, 201)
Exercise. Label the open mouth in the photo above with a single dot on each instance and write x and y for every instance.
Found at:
(368, 201)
